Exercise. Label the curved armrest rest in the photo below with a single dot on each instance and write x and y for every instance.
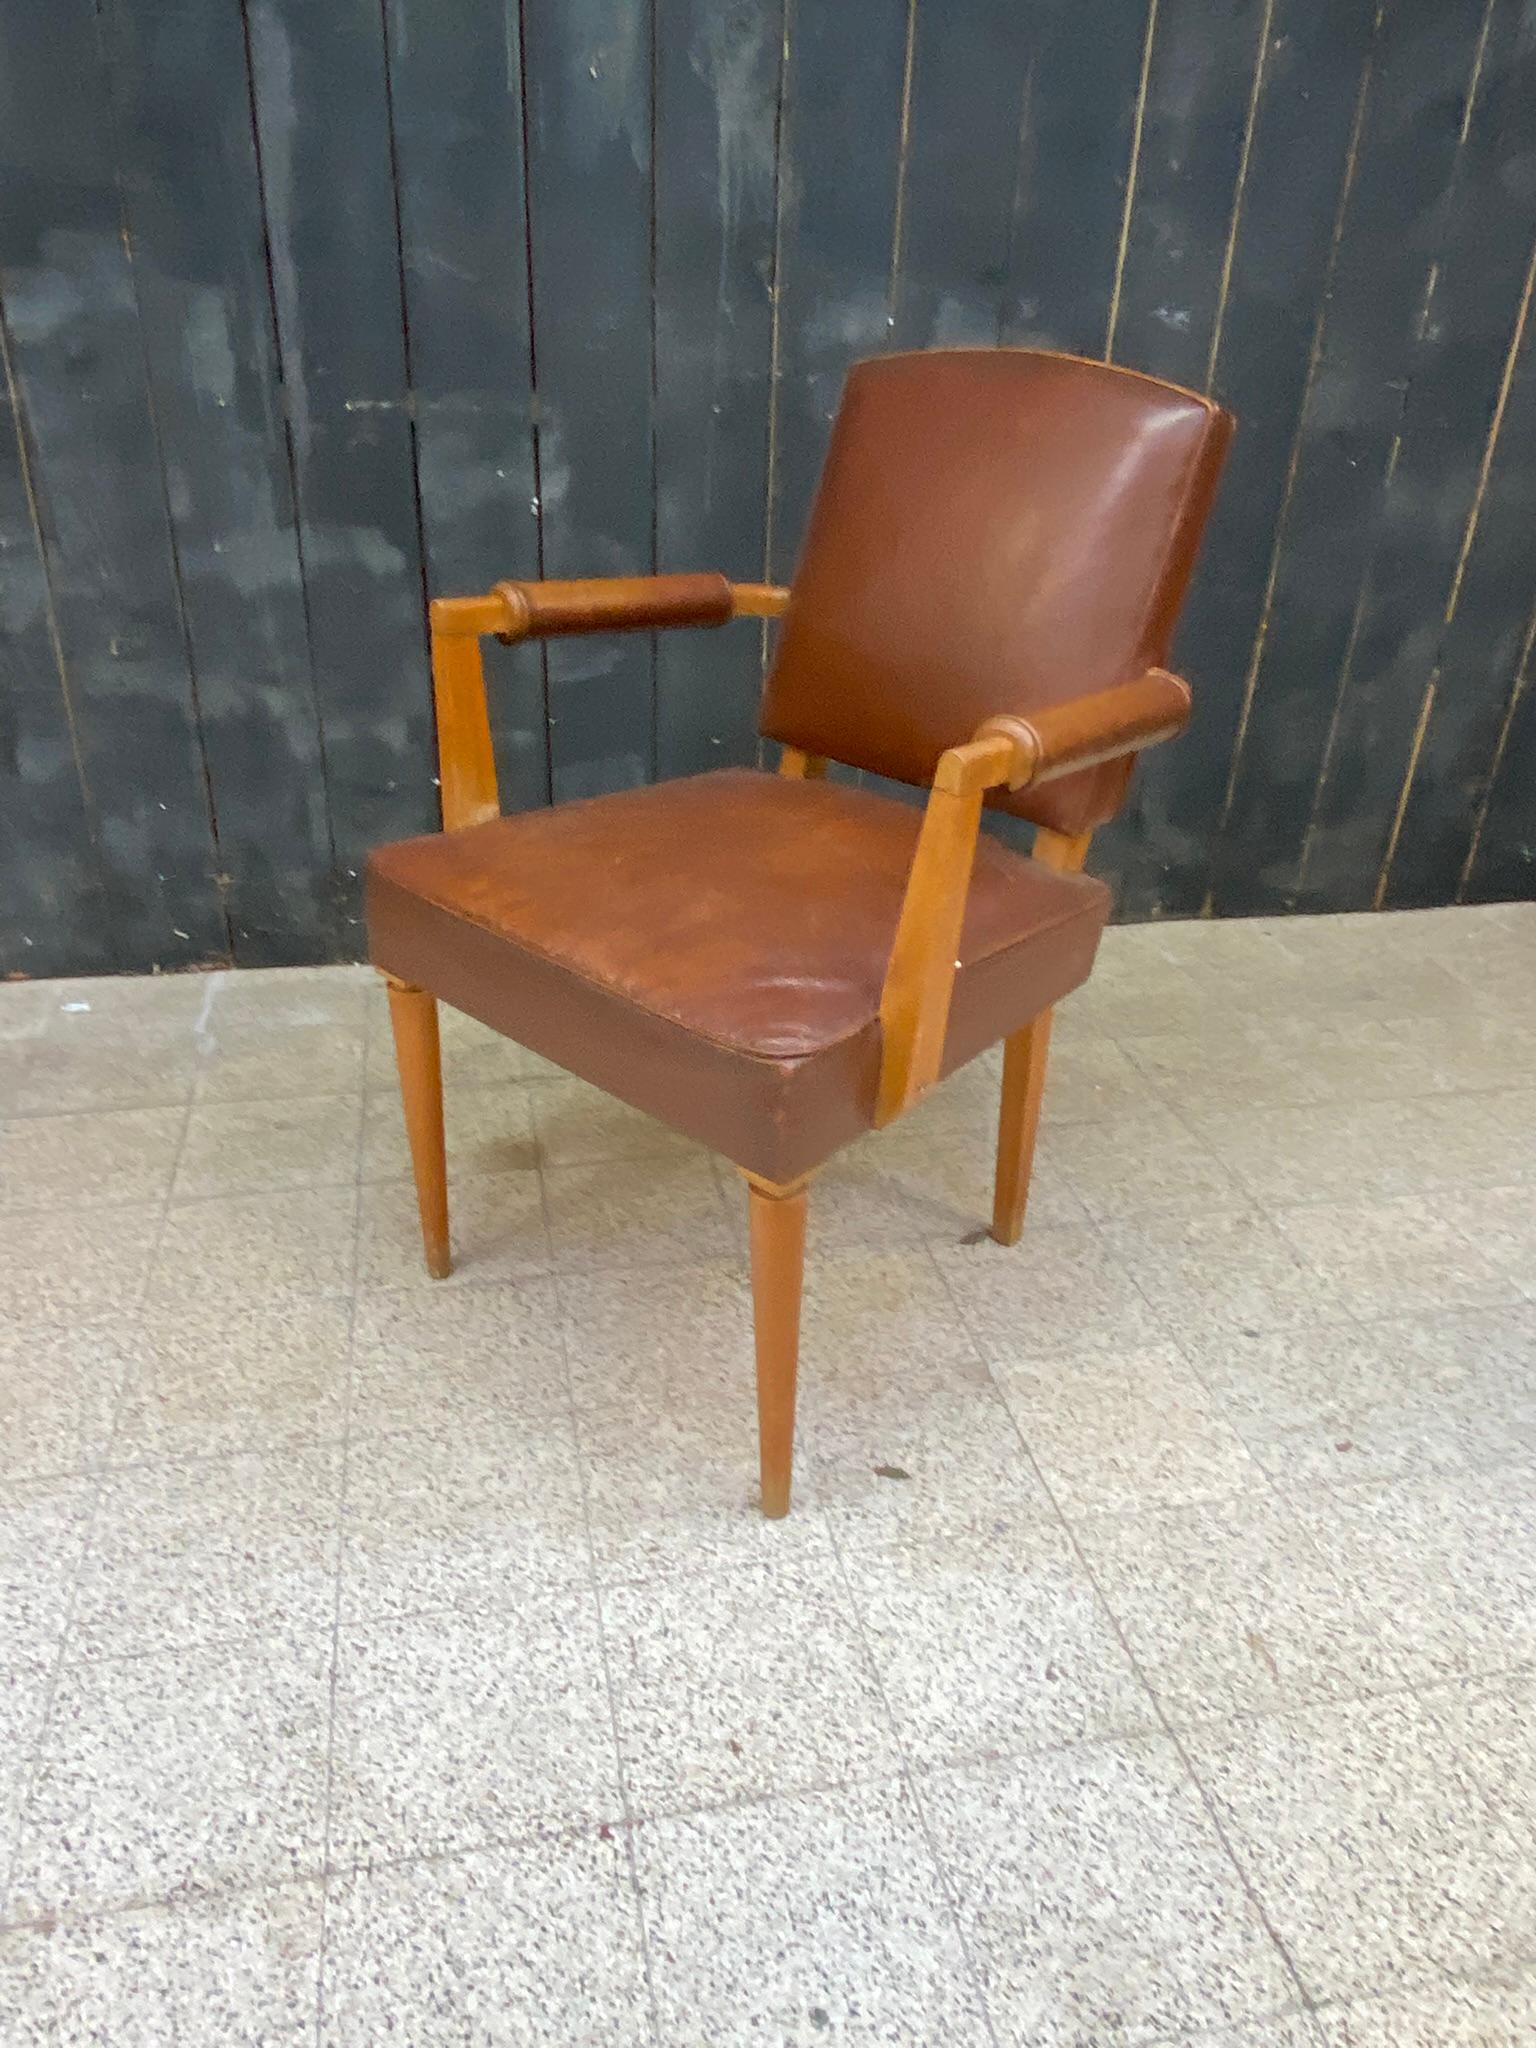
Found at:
(1063, 738)
(612, 604)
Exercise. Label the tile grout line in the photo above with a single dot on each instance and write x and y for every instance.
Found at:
(908, 1770)
(1170, 1732)
(154, 1254)
(536, 1834)
(533, 1836)
(343, 1488)
(637, 1901)
(907, 1778)
(98, 1488)
(1270, 1488)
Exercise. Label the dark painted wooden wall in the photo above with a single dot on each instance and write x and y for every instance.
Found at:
(314, 306)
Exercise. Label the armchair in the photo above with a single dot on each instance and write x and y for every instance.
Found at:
(776, 964)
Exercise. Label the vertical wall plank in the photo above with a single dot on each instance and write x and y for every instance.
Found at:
(970, 73)
(54, 918)
(311, 308)
(839, 195)
(1480, 659)
(1455, 402)
(718, 81)
(1347, 445)
(1200, 87)
(322, 111)
(1299, 161)
(1501, 861)
(193, 205)
(456, 97)
(1205, 78)
(78, 354)
(1078, 103)
(588, 70)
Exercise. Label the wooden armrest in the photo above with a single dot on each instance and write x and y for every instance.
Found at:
(605, 604)
(1006, 752)
(1063, 738)
(612, 604)
(536, 611)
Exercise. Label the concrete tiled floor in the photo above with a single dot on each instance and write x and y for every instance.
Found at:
(1151, 1657)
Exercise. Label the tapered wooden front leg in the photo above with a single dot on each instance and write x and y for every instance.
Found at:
(1024, 1060)
(413, 1018)
(778, 1267)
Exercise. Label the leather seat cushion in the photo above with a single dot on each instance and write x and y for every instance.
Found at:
(712, 950)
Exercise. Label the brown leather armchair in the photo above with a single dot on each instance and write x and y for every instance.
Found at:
(776, 964)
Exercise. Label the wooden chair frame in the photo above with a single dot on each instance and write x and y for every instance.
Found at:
(919, 981)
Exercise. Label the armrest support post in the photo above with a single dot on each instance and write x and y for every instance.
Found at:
(920, 977)
(1006, 752)
(466, 761)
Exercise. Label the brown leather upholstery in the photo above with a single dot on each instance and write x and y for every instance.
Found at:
(996, 531)
(614, 604)
(712, 950)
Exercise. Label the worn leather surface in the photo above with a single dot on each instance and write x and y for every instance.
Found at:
(712, 950)
(996, 532)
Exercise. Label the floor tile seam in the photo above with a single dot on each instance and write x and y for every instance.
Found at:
(603, 1826)
(1279, 1495)
(139, 1203)
(1495, 1462)
(1199, 1728)
(137, 1305)
(452, 1423)
(1276, 1212)
(387, 1086)
(1175, 1737)
(621, 1765)
(293, 1444)
(1169, 1731)
(986, 1352)
(171, 1202)
(1274, 1481)
(342, 1869)
(1495, 1978)
(909, 1776)
(137, 1106)
(117, 1106)
(99, 1467)
(1439, 1477)
(128, 1204)
(1364, 1324)
(343, 1484)
(941, 1875)
(57, 1668)
(193, 1893)
(548, 1593)
(187, 1895)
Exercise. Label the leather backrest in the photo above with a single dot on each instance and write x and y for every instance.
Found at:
(996, 530)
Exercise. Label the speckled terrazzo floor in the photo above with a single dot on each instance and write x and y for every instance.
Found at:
(1151, 1657)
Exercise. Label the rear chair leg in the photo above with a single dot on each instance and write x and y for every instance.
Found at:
(1024, 1058)
(413, 1018)
(777, 1217)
